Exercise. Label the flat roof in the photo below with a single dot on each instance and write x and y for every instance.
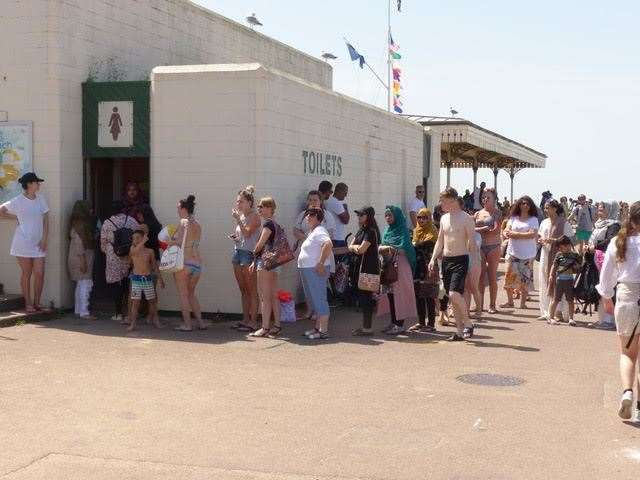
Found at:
(464, 132)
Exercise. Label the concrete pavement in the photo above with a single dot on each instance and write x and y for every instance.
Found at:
(84, 400)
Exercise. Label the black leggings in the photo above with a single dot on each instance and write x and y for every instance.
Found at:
(367, 304)
(392, 310)
(120, 295)
(426, 306)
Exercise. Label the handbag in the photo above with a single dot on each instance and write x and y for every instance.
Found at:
(390, 269)
(172, 259)
(280, 252)
(368, 282)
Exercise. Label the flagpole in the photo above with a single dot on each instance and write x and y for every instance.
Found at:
(389, 56)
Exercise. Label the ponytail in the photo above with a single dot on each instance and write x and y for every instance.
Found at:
(629, 228)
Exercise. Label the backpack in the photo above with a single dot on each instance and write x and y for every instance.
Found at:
(585, 285)
(280, 252)
(122, 238)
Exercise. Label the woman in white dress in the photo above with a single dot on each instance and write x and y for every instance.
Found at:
(551, 229)
(29, 243)
(621, 275)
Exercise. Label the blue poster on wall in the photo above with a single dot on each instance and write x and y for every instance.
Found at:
(16, 156)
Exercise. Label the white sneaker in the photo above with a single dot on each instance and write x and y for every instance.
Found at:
(117, 318)
(626, 404)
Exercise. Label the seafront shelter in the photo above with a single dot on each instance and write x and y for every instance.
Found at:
(458, 143)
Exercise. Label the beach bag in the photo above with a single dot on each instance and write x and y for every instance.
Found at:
(172, 259)
(389, 269)
(585, 285)
(368, 282)
(287, 307)
(122, 238)
(280, 252)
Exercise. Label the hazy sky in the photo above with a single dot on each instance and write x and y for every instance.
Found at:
(562, 77)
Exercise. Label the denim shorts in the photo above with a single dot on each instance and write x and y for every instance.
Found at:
(244, 258)
(260, 266)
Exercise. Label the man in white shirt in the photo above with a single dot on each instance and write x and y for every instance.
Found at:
(337, 207)
(477, 196)
(415, 204)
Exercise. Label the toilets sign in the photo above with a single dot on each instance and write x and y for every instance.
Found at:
(115, 124)
(321, 164)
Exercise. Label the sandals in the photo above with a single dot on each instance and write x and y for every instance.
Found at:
(508, 305)
(245, 328)
(467, 332)
(416, 328)
(318, 335)
(361, 332)
(455, 338)
(274, 332)
(492, 310)
(261, 333)
(182, 328)
(30, 309)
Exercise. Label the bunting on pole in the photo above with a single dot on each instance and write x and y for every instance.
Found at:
(397, 73)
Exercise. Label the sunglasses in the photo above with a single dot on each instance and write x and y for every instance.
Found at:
(422, 217)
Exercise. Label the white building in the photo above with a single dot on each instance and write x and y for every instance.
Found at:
(210, 105)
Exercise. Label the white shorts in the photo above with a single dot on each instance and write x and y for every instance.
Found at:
(627, 312)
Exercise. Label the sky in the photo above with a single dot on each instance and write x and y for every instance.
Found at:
(562, 77)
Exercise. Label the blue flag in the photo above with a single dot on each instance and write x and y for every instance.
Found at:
(355, 55)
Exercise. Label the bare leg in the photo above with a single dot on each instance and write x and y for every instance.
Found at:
(183, 290)
(252, 291)
(628, 360)
(153, 314)
(26, 267)
(194, 303)
(460, 310)
(493, 261)
(264, 290)
(38, 280)
(133, 315)
(552, 311)
(275, 301)
(241, 279)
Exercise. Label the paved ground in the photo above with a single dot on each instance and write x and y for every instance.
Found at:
(83, 400)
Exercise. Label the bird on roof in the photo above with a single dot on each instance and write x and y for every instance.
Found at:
(328, 56)
(253, 21)
(453, 112)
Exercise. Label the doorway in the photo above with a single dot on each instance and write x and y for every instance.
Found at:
(105, 182)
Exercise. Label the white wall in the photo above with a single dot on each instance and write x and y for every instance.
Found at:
(49, 47)
(233, 125)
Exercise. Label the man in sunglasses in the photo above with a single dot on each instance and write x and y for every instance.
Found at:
(415, 205)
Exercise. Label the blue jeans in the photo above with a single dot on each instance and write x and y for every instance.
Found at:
(243, 258)
(315, 289)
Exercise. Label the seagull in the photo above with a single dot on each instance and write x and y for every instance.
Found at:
(328, 56)
(453, 112)
(253, 21)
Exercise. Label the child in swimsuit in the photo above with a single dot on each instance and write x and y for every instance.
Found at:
(145, 268)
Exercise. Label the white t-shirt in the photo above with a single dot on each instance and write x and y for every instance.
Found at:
(311, 248)
(523, 249)
(335, 207)
(30, 228)
(614, 272)
(415, 204)
(477, 204)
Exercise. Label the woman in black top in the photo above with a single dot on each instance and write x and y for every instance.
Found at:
(365, 246)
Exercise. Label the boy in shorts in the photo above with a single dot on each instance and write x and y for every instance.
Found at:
(145, 268)
(561, 278)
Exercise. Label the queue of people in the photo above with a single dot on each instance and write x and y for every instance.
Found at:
(422, 262)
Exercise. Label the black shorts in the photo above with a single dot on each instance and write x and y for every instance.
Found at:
(454, 273)
(564, 288)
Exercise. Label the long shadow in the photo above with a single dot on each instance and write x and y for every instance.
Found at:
(525, 316)
(9, 339)
(483, 326)
(519, 348)
(220, 331)
(507, 320)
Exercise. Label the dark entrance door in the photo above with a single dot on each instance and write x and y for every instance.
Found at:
(107, 180)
